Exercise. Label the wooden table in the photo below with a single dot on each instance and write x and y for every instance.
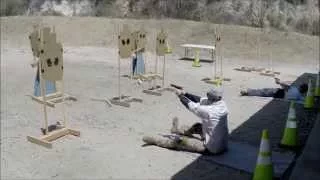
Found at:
(199, 46)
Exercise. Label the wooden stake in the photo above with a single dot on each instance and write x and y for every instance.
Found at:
(156, 71)
(215, 64)
(119, 71)
(63, 104)
(163, 69)
(43, 91)
(220, 53)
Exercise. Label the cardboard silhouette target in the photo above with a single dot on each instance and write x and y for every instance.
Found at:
(138, 63)
(161, 43)
(141, 39)
(126, 46)
(125, 43)
(161, 51)
(139, 47)
(51, 57)
(34, 38)
(51, 70)
(51, 51)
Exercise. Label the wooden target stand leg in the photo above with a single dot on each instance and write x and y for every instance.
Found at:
(157, 90)
(53, 98)
(122, 100)
(45, 140)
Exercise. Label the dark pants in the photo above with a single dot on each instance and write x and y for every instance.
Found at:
(267, 92)
(195, 129)
(134, 65)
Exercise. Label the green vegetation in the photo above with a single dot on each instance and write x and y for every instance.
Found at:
(286, 15)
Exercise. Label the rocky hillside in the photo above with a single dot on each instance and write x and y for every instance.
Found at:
(288, 15)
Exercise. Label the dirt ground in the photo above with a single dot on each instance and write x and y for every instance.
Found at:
(110, 145)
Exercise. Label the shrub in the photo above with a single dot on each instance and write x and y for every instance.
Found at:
(13, 7)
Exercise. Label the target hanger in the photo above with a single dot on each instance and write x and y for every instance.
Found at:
(51, 68)
(125, 49)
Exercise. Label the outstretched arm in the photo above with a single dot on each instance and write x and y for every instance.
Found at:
(193, 107)
(184, 100)
(283, 84)
(193, 97)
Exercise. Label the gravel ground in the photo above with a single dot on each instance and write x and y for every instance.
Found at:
(110, 145)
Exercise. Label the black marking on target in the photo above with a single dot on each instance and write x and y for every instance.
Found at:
(56, 61)
(49, 62)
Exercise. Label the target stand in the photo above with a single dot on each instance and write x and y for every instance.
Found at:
(153, 78)
(53, 71)
(51, 98)
(162, 48)
(46, 140)
(217, 80)
(126, 46)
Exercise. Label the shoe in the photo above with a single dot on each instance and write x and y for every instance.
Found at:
(243, 93)
(149, 140)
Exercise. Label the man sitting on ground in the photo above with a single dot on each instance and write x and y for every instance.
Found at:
(287, 91)
(213, 129)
